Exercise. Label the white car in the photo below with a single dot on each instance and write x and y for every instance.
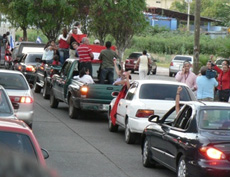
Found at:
(20, 94)
(177, 63)
(144, 98)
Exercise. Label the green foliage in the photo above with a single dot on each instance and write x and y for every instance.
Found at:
(32, 35)
(152, 30)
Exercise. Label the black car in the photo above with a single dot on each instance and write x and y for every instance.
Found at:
(27, 65)
(194, 142)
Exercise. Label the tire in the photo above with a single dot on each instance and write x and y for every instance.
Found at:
(170, 74)
(146, 155)
(112, 128)
(37, 88)
(45, 91)
(132, 71)
(53, 101)
(130, 137)
(182, 168)
(74, 113)
(154, 71)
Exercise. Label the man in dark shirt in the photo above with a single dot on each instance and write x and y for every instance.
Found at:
(107, 65)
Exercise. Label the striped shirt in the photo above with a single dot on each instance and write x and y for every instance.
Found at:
(83, 52)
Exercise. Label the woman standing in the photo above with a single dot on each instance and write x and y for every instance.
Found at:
(143, 62)
(223, 82)
(63, 46)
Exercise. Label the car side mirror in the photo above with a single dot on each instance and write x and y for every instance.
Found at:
(45, 153)
(154, 118)
(115, 94)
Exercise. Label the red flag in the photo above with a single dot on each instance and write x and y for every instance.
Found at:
(96, 50)
(78, 37)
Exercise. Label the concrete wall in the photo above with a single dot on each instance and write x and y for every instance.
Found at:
(166, 4)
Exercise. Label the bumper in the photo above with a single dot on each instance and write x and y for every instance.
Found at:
(210, 168)
(94, 106)
(27, 117)
(137, 125)
(130, 67)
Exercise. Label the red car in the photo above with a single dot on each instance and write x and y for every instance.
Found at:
(17, 136)
(132, 60)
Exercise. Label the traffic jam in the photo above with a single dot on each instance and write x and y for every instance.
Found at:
(193, 141)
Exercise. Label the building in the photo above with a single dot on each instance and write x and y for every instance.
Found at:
(165, 4)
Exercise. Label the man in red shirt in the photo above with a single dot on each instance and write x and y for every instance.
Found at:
(85, 55)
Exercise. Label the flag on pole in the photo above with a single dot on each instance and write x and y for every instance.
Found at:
(11, 43)
(38, 40)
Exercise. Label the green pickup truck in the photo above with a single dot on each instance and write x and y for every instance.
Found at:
(80, 96)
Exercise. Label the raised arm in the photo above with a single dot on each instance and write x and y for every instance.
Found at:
(116, 68)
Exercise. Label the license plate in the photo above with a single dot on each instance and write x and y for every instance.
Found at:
(105, 107)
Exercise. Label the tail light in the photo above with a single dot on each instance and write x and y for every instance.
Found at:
(171, 64)
(127, 61)
(212, 153)
(19, 67)
(30, 68)
(84, 90)
(23, 99)
(144, 113)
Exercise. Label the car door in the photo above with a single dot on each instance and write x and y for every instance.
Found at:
(176, 137)
(124, 104)
(61, 81)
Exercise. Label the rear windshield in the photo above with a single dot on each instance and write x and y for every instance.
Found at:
(5, 107)
(217, 119)
(17, 142)
(32, 58)
(162, 92)
(181, 58)
(135, 55)
(13, 81)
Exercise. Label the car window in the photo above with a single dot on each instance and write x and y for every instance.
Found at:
(182, 58)
(131, 92)
(13, 81)
(170, 117)
(162, 92)
(5, 107)
(218, 119)
(17, 142)
(135, 55)
(32, 58)
(184, 118)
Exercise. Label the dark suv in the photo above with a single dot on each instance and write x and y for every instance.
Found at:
(132, 60)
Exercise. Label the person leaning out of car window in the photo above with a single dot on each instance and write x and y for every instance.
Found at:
(205, 86)
(223, 89)
(187, 76)
(143, 62)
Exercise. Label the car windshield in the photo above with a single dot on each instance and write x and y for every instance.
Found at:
(13, 81)
(5, 107)
(182, 58)
(217, 119)
(162, 92)
(17, 142)
(32, 58)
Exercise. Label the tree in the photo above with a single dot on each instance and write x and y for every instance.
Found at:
(120, 18)
(51, 15)
(16, 13)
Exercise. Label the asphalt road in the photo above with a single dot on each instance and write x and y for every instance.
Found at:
(85, 147)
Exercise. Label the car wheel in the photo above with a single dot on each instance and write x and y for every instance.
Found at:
(154, 71)
(132, 71)
(146, 157)
(45, 90)
(53, 101)
(37, 88)
(130, 137)
(182, 168)
(74, 113)
(112, 128)
(170, 74)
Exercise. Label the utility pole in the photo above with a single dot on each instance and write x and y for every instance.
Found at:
(196, 49)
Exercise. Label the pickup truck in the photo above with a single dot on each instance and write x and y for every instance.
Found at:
(80, 96)
(43, 75)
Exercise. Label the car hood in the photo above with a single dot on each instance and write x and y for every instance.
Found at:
(160, 107)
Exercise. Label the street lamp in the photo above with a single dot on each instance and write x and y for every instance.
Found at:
(188, 1)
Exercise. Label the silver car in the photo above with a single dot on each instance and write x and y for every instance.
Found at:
(20, 94)
(177, 63)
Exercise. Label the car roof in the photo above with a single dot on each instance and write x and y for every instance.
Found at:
(184, 56)
(34, 53)
(208, 103)
(10, 71)
(161, 82)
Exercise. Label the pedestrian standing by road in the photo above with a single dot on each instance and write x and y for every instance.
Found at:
(205, 86)
(63, 46)
(107, 66)
(143, 62)
(186, 76)
(85, 55)
(223, 89)
(71, 39)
